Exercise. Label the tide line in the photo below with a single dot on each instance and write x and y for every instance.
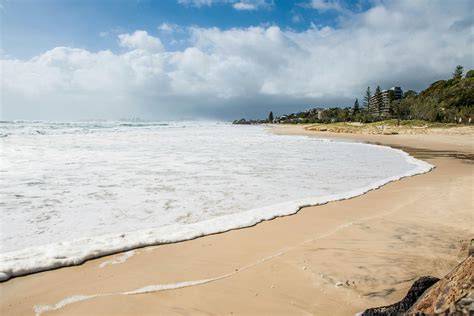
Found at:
(40, 309)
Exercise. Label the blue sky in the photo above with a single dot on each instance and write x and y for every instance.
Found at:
(94, 25)
(220, 59)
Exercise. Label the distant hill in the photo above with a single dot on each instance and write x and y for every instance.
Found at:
(443, 100)
(447, 101)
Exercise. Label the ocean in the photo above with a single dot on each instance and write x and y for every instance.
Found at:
(79, 190)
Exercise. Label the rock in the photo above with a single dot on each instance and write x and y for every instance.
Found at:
(454, 294)
(241, 121)
(464, 306)
(339, 284)
(416, 290)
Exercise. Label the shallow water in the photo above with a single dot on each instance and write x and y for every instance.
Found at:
(73, 191)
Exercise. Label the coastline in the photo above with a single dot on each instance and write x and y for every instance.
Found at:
(290, 265)
(77, 251)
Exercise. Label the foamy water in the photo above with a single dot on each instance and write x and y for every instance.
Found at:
(75, 191)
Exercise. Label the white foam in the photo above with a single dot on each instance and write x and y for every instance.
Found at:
(40, 309)
(118, 259)
(69, 197)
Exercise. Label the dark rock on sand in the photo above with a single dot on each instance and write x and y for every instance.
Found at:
(452, 295)
(242, 121)
(416, 290)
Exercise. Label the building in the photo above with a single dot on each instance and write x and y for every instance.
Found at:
(380, 105)
(316, 112)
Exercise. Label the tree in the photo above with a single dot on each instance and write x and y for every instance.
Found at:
(367, 96)
(401, 109)
(409, 94)
(470, 74)
(356, 106)
(378, 95)
(457, 74)
(270, 117)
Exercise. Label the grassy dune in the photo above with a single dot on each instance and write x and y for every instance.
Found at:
(393, 127)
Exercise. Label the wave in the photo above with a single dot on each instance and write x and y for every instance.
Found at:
(61, 254)
(53, 128)
(143, 124)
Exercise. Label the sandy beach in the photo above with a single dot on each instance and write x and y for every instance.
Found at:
(338, 259)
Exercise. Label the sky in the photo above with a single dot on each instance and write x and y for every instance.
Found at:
(219, 59)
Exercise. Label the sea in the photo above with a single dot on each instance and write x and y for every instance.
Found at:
(72, 191)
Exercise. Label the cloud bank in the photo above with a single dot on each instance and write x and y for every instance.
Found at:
(243, 71)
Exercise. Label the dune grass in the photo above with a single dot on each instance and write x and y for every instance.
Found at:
(388, 127)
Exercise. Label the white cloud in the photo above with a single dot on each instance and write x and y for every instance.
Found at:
(197, 3)
(296, 18)
(244, 70)
(166, 27)
(244, 6)
(240, 5)
(326, 5)
(140, 40)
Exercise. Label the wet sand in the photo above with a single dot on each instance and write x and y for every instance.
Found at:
(338, 258)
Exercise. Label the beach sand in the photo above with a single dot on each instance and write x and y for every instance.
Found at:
(334, 259)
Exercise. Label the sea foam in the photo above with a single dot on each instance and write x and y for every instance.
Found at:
(76, 191)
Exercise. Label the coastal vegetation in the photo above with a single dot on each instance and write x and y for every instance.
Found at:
(391, 127)
(444, 101)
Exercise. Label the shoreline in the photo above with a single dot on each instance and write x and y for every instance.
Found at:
(301, 281)
(449, 142)
(72, 253)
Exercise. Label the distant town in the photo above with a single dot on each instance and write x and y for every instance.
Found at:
(448, 101)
